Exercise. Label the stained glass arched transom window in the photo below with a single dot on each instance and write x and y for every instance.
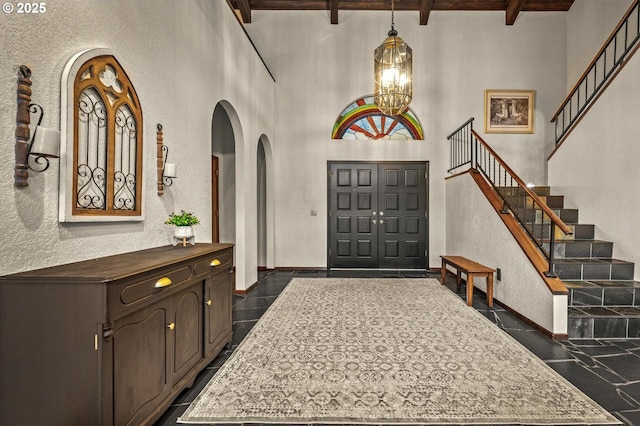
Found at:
(362, 120)
(103, 180)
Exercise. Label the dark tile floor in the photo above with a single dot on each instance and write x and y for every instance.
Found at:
(606, 370)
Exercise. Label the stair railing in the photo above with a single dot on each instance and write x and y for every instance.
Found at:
(618, 48)
(531, 211)
(461, 143)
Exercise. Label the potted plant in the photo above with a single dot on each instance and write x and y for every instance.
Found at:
(183, 222)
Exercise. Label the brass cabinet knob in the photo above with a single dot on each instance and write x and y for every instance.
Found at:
(215, 262)
(171, 326)
(209, 302)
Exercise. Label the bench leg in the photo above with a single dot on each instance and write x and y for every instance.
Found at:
(469, 289)
(490, 289)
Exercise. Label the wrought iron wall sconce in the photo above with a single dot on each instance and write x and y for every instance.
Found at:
(166, 171)
(44, 144)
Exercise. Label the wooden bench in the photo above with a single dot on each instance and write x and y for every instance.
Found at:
(471, 269)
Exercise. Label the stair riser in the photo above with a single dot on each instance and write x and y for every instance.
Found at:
(573, 249)
(518, 191)
(604, 297)
(580, 232)
(529, 216)
(605, 271)
(602, 328)
(517, 201)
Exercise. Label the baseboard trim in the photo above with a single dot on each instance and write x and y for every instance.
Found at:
(526, 320)
(247, 290)
(299, 268)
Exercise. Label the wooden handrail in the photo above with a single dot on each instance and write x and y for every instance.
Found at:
(595, 59)
(554, 217)
(529, 248)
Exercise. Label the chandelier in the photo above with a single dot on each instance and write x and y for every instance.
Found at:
(393, 88)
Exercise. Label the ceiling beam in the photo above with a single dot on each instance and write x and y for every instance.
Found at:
(405, 5)
(245, 10)
(513, 9)
(425, 10)
(333, 5)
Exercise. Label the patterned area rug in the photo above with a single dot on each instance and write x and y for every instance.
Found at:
(385, 351)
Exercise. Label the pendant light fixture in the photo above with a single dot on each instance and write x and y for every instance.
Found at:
(393, 87)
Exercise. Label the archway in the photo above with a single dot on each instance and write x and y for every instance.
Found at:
(265, 204)
(223, 148)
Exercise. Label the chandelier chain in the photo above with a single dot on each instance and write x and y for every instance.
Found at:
(392, 9)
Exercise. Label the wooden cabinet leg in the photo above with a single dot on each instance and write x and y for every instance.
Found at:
(443, 273)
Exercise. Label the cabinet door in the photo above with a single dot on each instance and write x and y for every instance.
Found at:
(218, 293)
(187, 348)
(142, 345)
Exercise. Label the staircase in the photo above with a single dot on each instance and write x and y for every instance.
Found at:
(604, 300)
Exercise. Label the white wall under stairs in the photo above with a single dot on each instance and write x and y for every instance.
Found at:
(475, 230)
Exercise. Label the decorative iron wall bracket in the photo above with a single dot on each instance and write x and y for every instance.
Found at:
(166, 171)
(23, 133)
(45, 141)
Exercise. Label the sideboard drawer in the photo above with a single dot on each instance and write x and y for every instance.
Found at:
(136, 292)
(220, 261)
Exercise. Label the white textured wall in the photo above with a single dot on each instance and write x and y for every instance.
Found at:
(320, 68)
(183, 58)
(475, 230)
(596, 167)
(589, 23)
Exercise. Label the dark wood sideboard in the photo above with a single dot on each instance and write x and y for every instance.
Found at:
(113, 340)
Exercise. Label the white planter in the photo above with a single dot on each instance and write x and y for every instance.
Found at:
(182, 234)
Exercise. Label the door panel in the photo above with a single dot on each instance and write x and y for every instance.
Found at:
(377, 216)
(403, 234)
(141, 363)
(354, 241)
(215, 215)
(188, 331)
(218, 291)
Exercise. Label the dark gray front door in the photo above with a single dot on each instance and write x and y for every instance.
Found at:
(377, 215)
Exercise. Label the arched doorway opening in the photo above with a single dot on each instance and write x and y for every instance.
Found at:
(223, 175)
(265, 204)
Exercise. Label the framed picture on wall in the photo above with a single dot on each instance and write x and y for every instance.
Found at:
(508, 111)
